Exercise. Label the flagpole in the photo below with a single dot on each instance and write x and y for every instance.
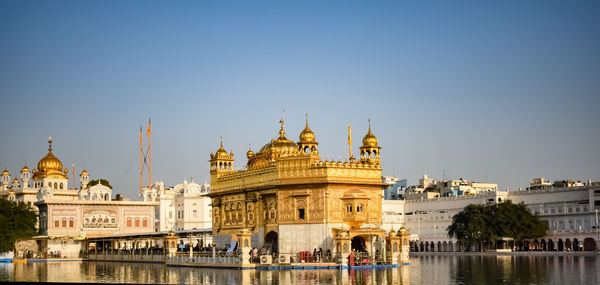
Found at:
(141, 159)
(149, 154)
(349, 143)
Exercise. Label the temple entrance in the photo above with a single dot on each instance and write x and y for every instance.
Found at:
(271, 242)
(358, 244)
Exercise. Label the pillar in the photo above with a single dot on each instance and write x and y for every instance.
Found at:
(245, 245)
(171, 240)
(342, 248)
(393, 243)
(405, 245)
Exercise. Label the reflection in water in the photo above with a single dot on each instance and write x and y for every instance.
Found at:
(423, 270)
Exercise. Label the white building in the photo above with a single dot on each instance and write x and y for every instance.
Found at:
(429, 188)
(569, 212)
(182, 207)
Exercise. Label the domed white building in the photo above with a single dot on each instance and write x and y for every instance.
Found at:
(66, 216)
(49, 181)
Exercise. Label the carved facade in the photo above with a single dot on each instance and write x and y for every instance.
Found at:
(292, 201)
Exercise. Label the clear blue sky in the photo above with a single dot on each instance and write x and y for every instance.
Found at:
(503, 90)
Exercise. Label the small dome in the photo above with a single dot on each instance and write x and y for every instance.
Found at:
(15, 180)
(343, 234)
(84, 173)
(402, 230)
(249, 153)
(392, 233)
(369, 140)
(5, 173)
(221, 152)
(25, 169)
(307, 135)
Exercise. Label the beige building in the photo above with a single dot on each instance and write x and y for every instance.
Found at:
(67, 216)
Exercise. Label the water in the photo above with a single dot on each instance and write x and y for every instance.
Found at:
(423, 270)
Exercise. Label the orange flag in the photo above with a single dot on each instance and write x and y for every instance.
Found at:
(148, 132)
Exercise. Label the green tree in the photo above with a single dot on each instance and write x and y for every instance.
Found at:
(485, 223)
(17, 221)
(101, 181)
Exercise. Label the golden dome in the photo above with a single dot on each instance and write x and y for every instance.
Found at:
(369, 140)
(15, 180)
(392, 233)
(84, 172)
(249, 153)
(307, 135)
(271, 150)
(5, 173)
(25, 169)
(402, 230)
(221, 152)
(281, 144)
(50, 166)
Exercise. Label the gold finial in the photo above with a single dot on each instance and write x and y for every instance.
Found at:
(221, 141)
(50, 143)
(281, 132)
(369, 124)
(306, 119)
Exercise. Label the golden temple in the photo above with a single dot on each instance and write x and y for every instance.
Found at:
(290, 200)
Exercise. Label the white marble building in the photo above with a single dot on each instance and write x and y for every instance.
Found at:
(182, 207)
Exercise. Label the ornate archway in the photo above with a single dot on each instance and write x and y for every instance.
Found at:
(358, 244)
(272, 241)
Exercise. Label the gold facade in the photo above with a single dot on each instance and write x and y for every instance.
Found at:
(287, 183)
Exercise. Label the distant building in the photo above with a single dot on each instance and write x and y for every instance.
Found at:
(396, 188)
(539, 183)
(429, 188)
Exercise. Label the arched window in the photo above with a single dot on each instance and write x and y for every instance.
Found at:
(71, 223)
(64, 222)
(55, 185)
(61, 186)
(106, 198)
(56, 223)
(137, 222)
(145, 223)
(129, 222)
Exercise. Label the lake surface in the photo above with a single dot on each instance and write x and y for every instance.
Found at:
(423, 270)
